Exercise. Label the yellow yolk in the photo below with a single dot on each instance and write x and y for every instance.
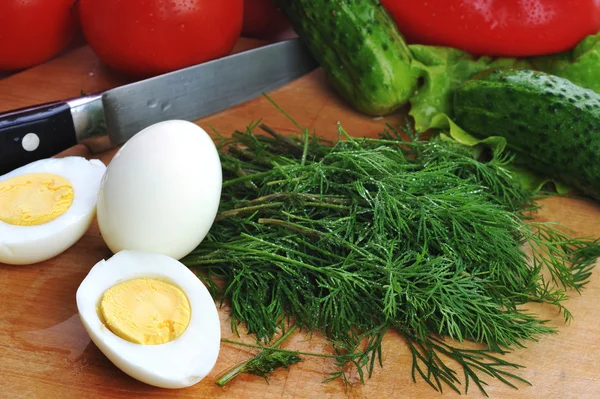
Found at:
(145, 311)
(34, 199)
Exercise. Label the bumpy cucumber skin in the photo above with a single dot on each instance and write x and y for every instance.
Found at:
(360, 49)
(551, 124)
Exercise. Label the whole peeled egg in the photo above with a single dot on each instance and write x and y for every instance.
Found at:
(161, 191)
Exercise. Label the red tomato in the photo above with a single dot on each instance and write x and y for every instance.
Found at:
(497, 27)
(263, 20)
(34, 31)
(148, 37)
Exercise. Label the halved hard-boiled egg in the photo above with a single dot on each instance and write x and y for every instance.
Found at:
(47, 206)
(151, 317)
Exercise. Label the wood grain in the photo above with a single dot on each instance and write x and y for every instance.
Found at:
(46, 353)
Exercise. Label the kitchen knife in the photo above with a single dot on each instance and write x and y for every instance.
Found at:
(110, 118)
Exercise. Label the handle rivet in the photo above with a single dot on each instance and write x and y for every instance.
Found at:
(30, 142)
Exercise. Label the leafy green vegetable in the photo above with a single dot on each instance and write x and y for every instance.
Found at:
(443, 69)
(580, 65)
(358, 236)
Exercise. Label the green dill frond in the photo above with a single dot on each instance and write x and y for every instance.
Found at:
(357, 236)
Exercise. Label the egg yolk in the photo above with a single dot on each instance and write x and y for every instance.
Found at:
(34, 199)
(145, 311)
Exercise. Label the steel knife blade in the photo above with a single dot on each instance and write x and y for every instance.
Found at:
(108, 119)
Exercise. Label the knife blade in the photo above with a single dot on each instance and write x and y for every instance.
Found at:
(108, 119)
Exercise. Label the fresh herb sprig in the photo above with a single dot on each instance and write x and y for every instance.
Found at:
(354, 237)
(265, 362)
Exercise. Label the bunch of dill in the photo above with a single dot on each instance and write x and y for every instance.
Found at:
(358, 236)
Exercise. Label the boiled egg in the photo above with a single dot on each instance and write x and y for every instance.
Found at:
(47, 206)
(151, 317)
(161, 191)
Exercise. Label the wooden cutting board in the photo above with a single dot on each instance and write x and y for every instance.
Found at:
(46, 353)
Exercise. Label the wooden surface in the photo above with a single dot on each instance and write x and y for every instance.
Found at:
(46, 353)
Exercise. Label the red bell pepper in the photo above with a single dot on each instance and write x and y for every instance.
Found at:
(497, 27)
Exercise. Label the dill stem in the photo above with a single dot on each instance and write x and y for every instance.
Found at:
(284, 139)
(246, 210)
(245, 178)
(280, 258)
(291, 226)
(303, 196)
(276, 349)
(240, 368)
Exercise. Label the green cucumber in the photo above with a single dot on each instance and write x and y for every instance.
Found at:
(360, 49)
(551, 124)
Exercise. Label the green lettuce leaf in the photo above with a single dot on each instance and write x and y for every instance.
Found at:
(443, 69)
(528, 179)
(581, 65)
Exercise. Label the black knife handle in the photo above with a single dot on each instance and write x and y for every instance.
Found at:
(33, 133)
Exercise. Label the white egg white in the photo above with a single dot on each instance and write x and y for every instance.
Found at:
(176, 364)
(20, 245)
(161, 191)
